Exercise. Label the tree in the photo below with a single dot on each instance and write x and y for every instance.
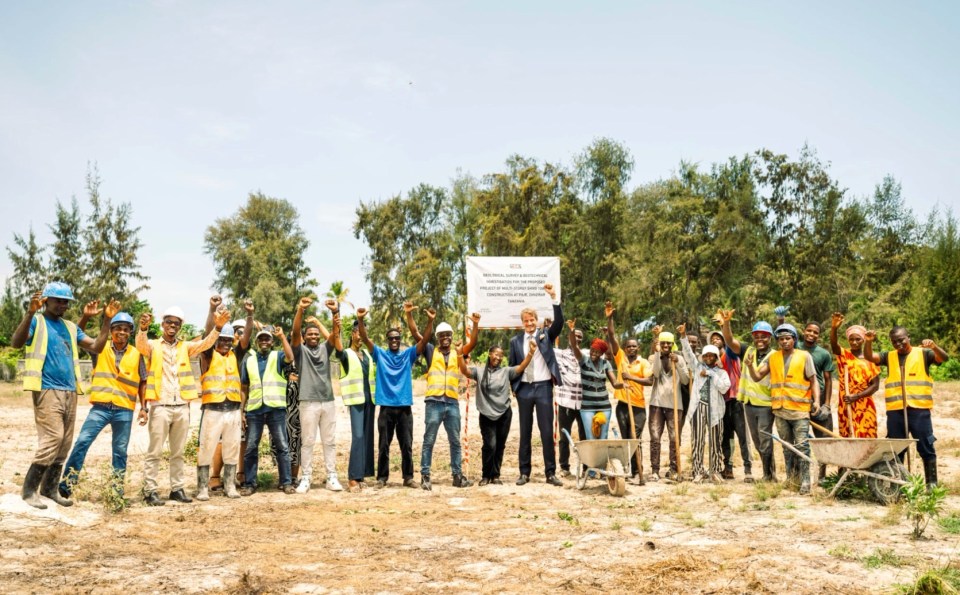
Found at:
(67, 258)
(931, 311)
(257, 253)
(29, 272)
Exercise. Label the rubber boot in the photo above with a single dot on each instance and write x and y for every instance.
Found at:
(804, 468)
(30, 484)
(930, 472)
(203, 483)
(50, 487)
(821, 473)
(230, 481)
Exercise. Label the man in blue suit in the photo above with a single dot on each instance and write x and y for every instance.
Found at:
(534, 389)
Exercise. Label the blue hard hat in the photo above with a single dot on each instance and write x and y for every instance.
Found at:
(57, 289)
(762, 327)
(120, 318)
(226, 332)
(788, 328)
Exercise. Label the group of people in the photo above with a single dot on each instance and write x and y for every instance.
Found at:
(729, 392)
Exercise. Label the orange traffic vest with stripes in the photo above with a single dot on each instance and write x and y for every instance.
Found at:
(443, 377)
(221, 381)
(918, 386)
(791, 391)
(188, 384)
(117, 386)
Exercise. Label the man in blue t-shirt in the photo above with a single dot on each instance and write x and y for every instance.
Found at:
(395, 395)
(52, 375)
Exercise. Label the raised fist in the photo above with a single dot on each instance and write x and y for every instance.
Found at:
(278, 331)
(475, 318)
(870, 335)
(215, 301)
(304, 303)
(248, 306)
(550, 291)
(361, 312)
(682, 329)
(608, 309)
(408, 307)
(927, 344)
(332, 305)
(145, 319)
(431, 313)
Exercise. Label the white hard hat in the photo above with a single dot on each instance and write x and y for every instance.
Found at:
(175, 312)
(240, 322)
(443, 327)
(712, 349)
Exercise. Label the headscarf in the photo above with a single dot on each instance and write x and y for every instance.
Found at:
(856, 329)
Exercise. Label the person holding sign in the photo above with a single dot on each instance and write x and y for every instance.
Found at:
(534, 388)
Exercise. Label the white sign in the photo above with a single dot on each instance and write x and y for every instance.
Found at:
(498, 287)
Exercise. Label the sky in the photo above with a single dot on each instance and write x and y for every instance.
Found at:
(186, 107)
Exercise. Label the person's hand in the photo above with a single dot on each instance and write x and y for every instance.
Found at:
(36, 302)
(851, 399)
(431, 313)
(704, 373)
(304, 303)
(332, 305)
(220, 318)
(550, 291)
(248, 306)
(682, 330)
(361, 312)
(870, 336)
(928, 344)
(750, 357)
(112, 308)
(145, 319)
(726, 315)
(215, 302)
(243, 421)
(458, 345)
(816, 411)
(673, 356)
(608, 309)
(91, 309)
(336, 318)
(571, 324)
(475, 318)
(142, 417)
(532, 345)
(408, 307)
(656, 330)
(278, 332)
(836, 320)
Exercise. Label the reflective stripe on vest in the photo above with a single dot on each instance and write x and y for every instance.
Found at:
(222, 379)
(443, 378)
(188, 384)
(918, 387)
(351, 383)
(791, 391)
(118, 386)
(36, 353)
(271, 389)
(755, 393)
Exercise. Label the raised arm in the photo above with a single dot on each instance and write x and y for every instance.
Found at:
(362, 329)
(532, 345)
(248, 327)
(938, 351)
(688, 353)
(142, 342)
(474, 334)
(335, 338)
(295, 337)
(462, 363)
(556, 325)
(215, 302)
(573, 341)
(868, 338)
(220, 318)
(756, 374)
(96, 346)
(724, 317)
(19, 337)
(422, 343)
(408, 309)
(609, 311)
(287, 350)
(90, 310)
(835, 323)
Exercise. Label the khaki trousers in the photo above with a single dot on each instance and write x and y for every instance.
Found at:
(54, 412)
(166, 422)
(214, 426)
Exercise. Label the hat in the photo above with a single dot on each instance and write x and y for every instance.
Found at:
(121, 318)
(239, 323)
(856, 329)
(226, 332)
(762, 327)
(711, 349)
(443, 327)
(173, 312)
(266, 330)
(787, 329)
(717, 333)
(57, 289)
(665, 337)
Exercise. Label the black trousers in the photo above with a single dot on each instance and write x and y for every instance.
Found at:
(623, 420)
(494, 433)
(735, 424)
(399, 420)
(536, 398)
(565, 419)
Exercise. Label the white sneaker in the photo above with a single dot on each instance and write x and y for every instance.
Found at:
(304, 486)
(333, 484)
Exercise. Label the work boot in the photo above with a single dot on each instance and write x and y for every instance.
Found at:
(30, 483)
(230, 481)
(152, 499)
(425, 482)
(804, 469)
(50, 486)
(203, 482)
(821, 473)
(461, 481)
(180, 496)
(930, 472)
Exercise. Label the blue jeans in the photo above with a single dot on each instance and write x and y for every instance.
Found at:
(101, 414)
(796, 432)
(275, 418)
(361, 442)
(448, 414)
(586, 417)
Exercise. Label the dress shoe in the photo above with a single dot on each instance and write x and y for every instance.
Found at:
(483, 482)
(554, 481)
(180, 496)
(496, 481)
(153, 499)
(461, 481)
(523, 480)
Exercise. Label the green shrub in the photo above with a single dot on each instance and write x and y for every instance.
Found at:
(948, 370)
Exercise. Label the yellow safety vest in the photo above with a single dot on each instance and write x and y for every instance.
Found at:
(272, 389)
(221, 381)
(118, 386)
(188, 384)
(351, 383)
(36, 353)
(918, 386)
(791, 391)
(443, 378)
(755, 393)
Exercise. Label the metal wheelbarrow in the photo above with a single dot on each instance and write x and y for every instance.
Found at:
(608, 458)
(874, 458)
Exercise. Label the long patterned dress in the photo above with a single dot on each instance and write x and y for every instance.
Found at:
(861, 373)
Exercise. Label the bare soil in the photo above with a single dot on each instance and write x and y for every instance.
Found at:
(681, 538)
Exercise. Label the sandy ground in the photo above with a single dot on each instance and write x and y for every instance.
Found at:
(684, 538)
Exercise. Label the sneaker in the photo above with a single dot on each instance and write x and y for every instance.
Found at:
(289, 489)
(425, 483)
(304, 486)
(409, 483)
(333, 483)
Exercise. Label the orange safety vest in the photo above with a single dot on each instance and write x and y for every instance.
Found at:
(443, 378)
(918, 386)
(791, 391)
(221, 380)
(188, 384)
(118, 386)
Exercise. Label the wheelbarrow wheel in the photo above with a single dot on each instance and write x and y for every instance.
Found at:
(580, 471)
(887, 492)
(616, 482)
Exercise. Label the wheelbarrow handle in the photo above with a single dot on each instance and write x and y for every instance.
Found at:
(569, 438)
(788, 445)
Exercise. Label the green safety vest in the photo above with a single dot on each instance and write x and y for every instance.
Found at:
(755, 393)
(351, 383)
(36, 353)
(271, 390)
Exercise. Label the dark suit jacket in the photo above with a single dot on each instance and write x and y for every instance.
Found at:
(545, 341)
